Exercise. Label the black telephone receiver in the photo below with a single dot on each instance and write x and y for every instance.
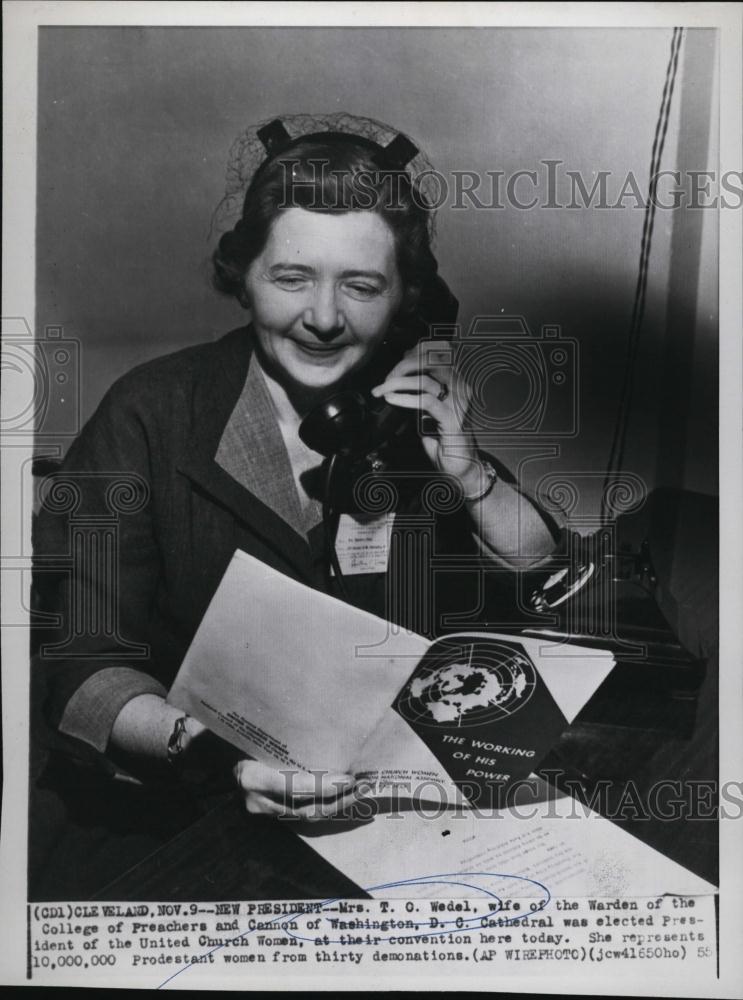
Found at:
(349, 426)
(351, 423)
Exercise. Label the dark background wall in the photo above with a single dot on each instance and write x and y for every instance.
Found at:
(134, 129)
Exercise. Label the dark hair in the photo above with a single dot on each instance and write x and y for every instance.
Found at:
(330, 173)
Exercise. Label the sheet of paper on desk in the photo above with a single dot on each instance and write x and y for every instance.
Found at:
(296, 678)
(559, 843)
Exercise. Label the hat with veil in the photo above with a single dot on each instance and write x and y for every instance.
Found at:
(268, 139)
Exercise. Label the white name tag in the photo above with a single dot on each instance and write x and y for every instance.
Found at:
(363, 542)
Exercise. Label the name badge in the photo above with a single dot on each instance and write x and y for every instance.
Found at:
(363, 542)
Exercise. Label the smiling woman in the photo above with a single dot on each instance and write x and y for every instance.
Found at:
(332, 257)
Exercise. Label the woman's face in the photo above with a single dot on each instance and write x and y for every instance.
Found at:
(323, 293)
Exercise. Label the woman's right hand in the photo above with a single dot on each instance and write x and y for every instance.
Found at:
(292, 793)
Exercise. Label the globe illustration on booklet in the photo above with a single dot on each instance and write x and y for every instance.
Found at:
(467, 681)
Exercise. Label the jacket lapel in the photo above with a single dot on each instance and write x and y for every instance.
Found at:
(252, 450)
(218, 389)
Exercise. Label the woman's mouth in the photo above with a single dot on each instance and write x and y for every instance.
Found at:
(318, 350)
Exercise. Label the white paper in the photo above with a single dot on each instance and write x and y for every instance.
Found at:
(314, 675)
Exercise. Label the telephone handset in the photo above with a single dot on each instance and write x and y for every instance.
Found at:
(347, 429)
(350, 426)
(351, 423)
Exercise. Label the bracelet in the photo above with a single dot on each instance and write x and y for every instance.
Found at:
(492, 475)
(176, 744)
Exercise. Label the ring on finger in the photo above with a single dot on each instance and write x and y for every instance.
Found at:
(443, 392)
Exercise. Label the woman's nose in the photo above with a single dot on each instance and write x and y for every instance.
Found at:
(322, 316)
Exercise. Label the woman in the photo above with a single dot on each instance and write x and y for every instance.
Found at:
(332, 258)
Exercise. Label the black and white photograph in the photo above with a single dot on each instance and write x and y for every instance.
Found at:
(371, 510)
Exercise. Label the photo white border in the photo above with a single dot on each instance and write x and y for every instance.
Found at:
(20, 21)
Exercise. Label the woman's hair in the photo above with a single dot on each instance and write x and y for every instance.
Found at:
(330, 173)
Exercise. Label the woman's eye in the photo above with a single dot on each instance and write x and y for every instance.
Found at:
(290, 281)
(363, 291)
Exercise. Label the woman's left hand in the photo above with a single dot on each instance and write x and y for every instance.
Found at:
(435, 390)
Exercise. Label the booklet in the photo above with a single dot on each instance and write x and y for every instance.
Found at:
(298, 679)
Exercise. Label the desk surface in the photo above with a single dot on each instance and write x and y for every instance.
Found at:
(229, 855)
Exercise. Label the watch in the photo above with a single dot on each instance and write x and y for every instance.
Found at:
(178, 740)
(492, 476)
